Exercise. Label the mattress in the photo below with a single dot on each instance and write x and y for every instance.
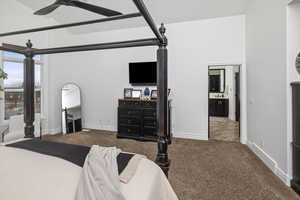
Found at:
(27, 175)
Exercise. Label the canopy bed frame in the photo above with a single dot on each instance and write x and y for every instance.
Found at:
(160, 40)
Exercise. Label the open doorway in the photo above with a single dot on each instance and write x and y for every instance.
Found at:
(224, 102)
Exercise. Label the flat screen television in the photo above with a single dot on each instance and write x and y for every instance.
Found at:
(142, 73)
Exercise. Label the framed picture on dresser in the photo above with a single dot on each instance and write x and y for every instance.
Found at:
(154, 93)
(136, 94)
(127, 93)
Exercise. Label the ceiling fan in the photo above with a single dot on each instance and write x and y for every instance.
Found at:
(78, 4)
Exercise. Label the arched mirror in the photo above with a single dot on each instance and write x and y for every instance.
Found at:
(71, 109)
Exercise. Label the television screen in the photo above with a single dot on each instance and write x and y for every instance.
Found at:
(142, 73)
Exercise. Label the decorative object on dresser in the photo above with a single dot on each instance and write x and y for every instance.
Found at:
(127, 93)
(137, 119)
(147, 92)
(295, 183)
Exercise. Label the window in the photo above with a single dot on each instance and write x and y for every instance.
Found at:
(13, 85)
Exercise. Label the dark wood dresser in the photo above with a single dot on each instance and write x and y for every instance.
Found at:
(295, 183)
(137, 120)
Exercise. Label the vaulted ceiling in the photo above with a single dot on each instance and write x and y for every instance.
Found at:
(168, 11)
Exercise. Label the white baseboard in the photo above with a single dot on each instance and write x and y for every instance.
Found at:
(269, 162)
(184, 135)
(52, 131)
(102, 127)
(109, 128)
(86, 126)
(283, 176)
(194, 136)
(14, 135)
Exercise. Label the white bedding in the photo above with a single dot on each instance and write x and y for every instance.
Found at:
(99, 176)
(26, 175)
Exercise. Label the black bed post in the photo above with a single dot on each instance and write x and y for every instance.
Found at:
(162, 158)
(29, 91)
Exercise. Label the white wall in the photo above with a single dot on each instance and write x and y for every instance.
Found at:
(293, 32)
(266, 64)
(102, 75)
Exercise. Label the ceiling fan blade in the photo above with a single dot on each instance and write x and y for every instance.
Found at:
(47, 10)
(95, 9)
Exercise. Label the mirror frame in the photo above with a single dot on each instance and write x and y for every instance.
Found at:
(61, 109)
(224, 80)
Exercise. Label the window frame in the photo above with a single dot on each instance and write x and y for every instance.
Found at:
(4, 59)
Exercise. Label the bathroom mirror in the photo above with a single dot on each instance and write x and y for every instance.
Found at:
(217, 80)
(71, 108)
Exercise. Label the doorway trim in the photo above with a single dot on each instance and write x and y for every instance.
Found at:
(243, 99)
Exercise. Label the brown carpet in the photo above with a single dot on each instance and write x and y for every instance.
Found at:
(202, 170)
(224, 129)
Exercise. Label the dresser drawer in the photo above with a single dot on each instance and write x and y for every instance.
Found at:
(130, 121)
(150, 132)
(129, 130)
(150, 113)
(150, 122)
(126, 112)
(130, 103)
(150, 104)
